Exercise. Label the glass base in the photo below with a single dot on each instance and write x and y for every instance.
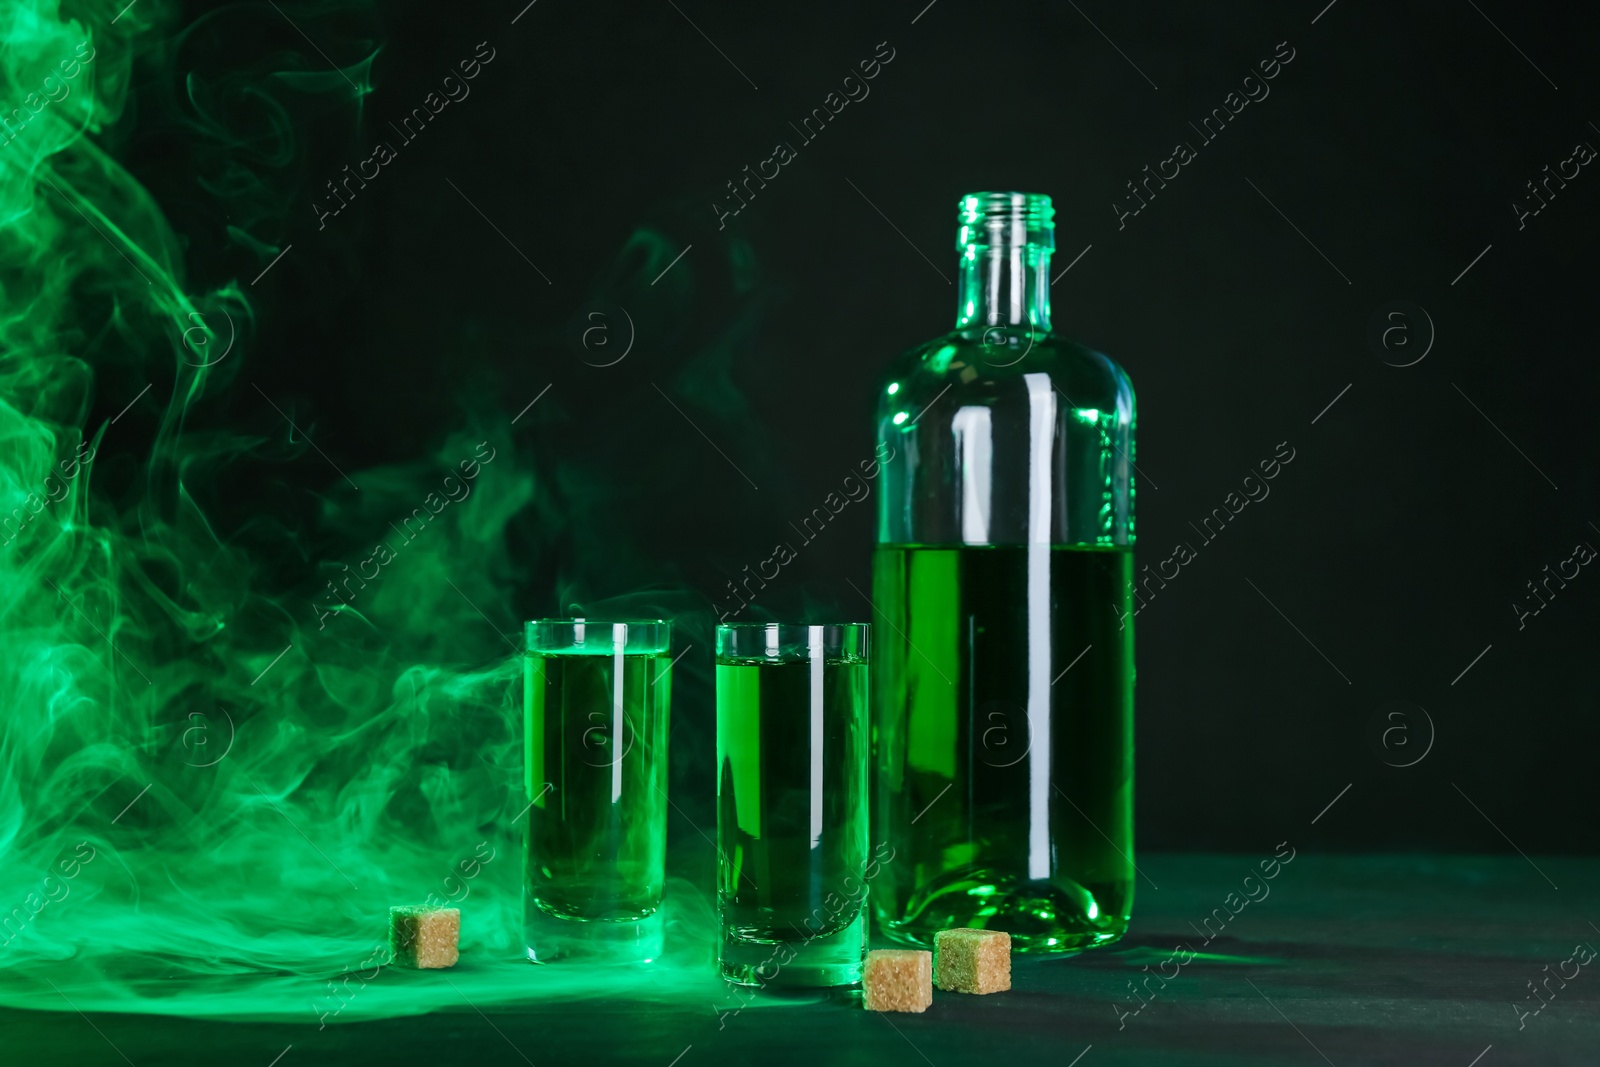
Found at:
(1045, 944)
(550, 938)
(813, 963)
(1058, 916)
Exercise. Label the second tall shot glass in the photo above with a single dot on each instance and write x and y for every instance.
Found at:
(792, 837)
(595, 737)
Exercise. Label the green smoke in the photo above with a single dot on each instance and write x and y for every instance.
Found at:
(232, 739)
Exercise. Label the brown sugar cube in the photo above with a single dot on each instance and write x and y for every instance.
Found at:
(973, 961)
(425, 937)
(896, 979)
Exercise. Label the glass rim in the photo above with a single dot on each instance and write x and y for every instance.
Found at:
(995, 219)
(786, 625)
(596, 636)
(1005, 203)
(586, 621)
(785, 641)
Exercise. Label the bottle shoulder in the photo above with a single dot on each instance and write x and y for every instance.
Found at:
(996, 362)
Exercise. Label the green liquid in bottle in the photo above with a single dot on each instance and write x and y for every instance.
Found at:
(596, 759)
(1005, 680)
(792, 818)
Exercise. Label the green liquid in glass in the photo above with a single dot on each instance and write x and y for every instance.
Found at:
(596, 759)
(792, 816)
(1004, 678)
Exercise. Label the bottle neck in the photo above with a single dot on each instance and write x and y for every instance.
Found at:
(1004, 284)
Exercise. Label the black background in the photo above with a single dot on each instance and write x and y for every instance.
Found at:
(597, 141)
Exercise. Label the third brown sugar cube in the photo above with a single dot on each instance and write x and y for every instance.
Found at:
(972, 961)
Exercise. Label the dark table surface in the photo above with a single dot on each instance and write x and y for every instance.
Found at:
(1344, 960)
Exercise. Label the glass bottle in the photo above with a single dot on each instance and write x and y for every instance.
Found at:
(1003, 574)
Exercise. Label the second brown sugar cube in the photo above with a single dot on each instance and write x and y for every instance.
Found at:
(972, 961)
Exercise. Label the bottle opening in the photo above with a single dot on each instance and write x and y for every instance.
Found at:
(1005, 241)
(1006, 219)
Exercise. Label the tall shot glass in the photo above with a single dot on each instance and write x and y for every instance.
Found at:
(596, 697)
(792, 833)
